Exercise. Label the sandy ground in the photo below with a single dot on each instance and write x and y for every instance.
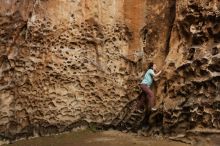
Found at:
(104, 138)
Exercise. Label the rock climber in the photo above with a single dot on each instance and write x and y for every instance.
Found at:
(147, 82)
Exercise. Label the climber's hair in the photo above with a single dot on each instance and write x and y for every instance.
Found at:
(150, 66)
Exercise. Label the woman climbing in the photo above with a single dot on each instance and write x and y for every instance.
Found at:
(147, 82)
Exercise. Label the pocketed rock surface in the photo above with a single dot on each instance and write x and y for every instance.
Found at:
(66, 63)
(189, 90)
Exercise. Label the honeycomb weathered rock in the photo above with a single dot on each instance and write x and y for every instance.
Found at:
(66, 63)
(63, 62)
(189, 88)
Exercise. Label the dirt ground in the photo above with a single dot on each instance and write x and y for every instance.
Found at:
(104, 138)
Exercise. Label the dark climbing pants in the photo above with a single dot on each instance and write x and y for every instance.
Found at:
(149, 93)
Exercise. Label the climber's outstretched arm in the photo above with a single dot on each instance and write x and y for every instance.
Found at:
(157, 74)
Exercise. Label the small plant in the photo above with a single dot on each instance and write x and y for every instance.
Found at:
(135, 89)
(92, 127)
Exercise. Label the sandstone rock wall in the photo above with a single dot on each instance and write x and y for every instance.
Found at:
(64, 63)
(189, 88)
